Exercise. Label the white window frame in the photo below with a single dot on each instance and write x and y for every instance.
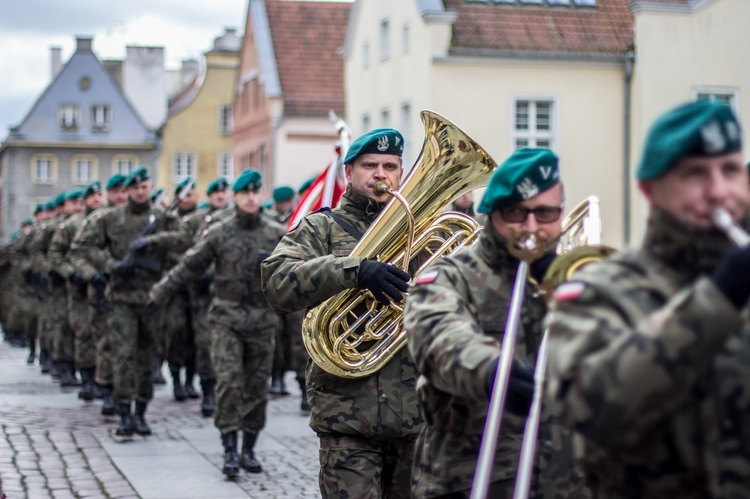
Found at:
(366, 124)
(385, 39)
(225, 119)
(532, 135)
(406, 38)
(734, 92)
(101, 117)
(226, 165)
(119, 159)
(365, 55)
(51, 162)
(69, 116)
(91, 170)
(184, 165)
(385, 118)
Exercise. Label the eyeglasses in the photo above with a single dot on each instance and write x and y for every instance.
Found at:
(543, 214)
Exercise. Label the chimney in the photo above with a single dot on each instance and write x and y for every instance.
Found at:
(56, 60)
(83, 43)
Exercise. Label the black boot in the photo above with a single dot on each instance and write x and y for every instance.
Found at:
(98, 391)
(68, 375)
(189, 388)
(277, 383)
(304, 405)
(231, 461)
(208, 406)
(141, 427)
(54, 369)
(247, 459)
(44, 360)
(108, 403)
(158, 378)
(87, 385)
(32, 354)
(126, 421)
(177, 388)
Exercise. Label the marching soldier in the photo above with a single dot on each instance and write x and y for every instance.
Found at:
(649, 350)
(134, 263)
(367, 426)
(243, 324)
(455, 318)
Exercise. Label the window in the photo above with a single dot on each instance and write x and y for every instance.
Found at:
(726, 95)
(225, 119)
(43, 168)
(365, 55)
(365, 123)
(69, 116)
(262, 158)
(226, 165)
(533, 124)
(385, 118)
(405, 39)
(183, 166)
(256, 94)
(385, 35)
(537, 2)
(101, 117)
(123, 164)
(405, 128)
(585, 3)
(558, 2)
(83, 169)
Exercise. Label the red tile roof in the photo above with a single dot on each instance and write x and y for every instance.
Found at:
(306, 39)
(489, 27)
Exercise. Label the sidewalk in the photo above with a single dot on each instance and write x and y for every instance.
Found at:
(53, 445)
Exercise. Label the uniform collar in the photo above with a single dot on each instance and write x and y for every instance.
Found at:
(493, 248)
(138, 208)
(247, 220)
(358, 204)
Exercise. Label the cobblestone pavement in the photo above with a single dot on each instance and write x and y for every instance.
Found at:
(53, 445)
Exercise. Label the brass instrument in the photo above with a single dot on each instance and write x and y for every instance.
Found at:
(351, 335)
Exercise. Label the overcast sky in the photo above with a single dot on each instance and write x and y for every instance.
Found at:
(186, 28)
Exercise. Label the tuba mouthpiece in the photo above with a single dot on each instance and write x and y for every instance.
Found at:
(380, 188)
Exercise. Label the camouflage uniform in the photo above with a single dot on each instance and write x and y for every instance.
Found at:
(26, 301)
(650, 364)
(243, 324)
(455, 320)
(367, 426)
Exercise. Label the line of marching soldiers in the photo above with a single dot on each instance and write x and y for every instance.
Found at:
(64, 290)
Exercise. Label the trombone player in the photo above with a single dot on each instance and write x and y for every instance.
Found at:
(455, 319)
(650, 351)
(367, 426)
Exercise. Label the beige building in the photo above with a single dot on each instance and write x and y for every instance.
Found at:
(197, 135)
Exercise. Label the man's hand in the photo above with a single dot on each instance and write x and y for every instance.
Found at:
(99, 281)
(29, 275)
(730, 276)
(138, 245)
(55, 277)
(76, 280)
(520, 387)
(204, 283)
(539, 267)
(122, 269)
(382, 278)
(150, 307)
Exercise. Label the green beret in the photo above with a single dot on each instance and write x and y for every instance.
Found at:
(15, 235)
(283, 193)
(378, 141)
(26, 221)
(525, 174)
(137, 176)
(74, 194)
(39, 208)
(305, 185)
(267, 204)
(116, 180)
(50, 205)
(188, 181)
(249, 179)
(203, 205)
(220, 184)
(92, 188)
(58, 200)
(156, 193)
(700, 128)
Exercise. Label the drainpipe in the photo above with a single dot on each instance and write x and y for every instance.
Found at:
(629, 60)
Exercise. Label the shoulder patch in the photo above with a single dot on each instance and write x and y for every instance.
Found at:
(569, 290)
(426, 277)
(294, 225)
(61, 226)
(185, 218)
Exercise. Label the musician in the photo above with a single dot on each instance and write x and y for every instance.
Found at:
(649, 351)
(367, 426)
(455, 318)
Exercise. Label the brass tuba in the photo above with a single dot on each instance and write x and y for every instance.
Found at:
(351, 335)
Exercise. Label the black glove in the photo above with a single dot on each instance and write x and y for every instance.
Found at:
(520, 387)
(41, 279)
(150, 307)
(730, 278)
(29, 275)
(122, 269)
(56, 278)
(538, 268)
(204, 283)
(76, 280)
(99, 281)
(382, 278)
(138, 245)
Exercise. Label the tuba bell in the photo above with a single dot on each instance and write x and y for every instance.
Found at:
(351, 335)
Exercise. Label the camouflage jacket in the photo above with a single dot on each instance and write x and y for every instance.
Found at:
(40, 245)
(109, 237)
(92, 261)
(275, 216)
(311, 264)
(236, 246)
(455, 319)
(650, 364)
(62, 240)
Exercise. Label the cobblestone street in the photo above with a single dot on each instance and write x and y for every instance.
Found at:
(53, 445)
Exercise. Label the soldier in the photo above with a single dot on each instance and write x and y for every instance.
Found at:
(135, 264)
(455, 318)
(367, 426)
(283, 205)
(243, 324)
(465, 204)
(649, 350)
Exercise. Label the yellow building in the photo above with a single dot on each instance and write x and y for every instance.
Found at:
(197, 135)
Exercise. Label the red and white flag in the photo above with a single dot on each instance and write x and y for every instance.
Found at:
(324, 192)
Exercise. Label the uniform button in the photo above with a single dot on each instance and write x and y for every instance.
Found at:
(383, 397)
(548, 444)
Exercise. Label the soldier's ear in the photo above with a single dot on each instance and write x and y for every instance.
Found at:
(647, 189)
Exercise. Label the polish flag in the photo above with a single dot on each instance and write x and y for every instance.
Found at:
(325, 192)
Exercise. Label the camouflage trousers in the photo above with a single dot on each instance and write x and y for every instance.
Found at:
(63, 345)
(179, 344)
(80, 321)
(242, 361)
(30, 311)
(364, 468)
(203, 332)
(103, 375)
(43, 329)
(132, 331)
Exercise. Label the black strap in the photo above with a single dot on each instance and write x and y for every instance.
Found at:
(343, 223)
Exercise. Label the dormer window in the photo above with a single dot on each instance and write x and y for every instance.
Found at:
(69, 116)
(101, 117)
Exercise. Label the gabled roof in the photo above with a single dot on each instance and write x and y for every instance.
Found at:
(307, 37)
(496, 29)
